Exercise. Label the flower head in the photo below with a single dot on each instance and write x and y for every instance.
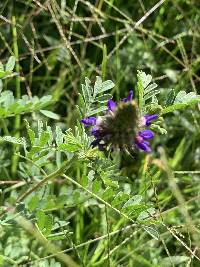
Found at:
(122, 126)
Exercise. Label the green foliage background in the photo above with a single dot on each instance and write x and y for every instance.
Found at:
(64, 203)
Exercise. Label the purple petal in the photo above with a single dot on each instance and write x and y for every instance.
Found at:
(149, 118)
(89, 121)
(130, 95)
(145, 146)
(139, 139)
(111, 105)
(146, 134)
(95, 132)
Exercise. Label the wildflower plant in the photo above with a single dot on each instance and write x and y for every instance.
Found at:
(99, 171)
(122, 126)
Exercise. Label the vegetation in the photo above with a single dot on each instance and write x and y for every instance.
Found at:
(68, 198)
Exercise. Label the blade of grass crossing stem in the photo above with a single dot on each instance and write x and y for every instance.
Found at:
(104, 62)
(80, 213)
(118, 64)
(17, 122)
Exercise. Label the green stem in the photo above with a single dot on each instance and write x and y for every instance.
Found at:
(78, 217)
(104, 63)
(100, 199)
(51, 176)
(17, 122)
(80, 210)
(9, 260)
(5, 129)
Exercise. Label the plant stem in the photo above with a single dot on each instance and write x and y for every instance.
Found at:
(17, 122)
(45, 180)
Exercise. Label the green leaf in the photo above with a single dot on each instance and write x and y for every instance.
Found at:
(151, 94)
(133, 201)
(59, 136)
(49, 130)
(140, 89)
(144, 78)
(100, 87)
(50, 114)
(119, 198)
(107, 85)
(158, 129)
(40, 127)
(183, 97)
(153, 108)
(1, 86)
(33, 203)
(87, 90)
(44, 138)
(91, 95)
(84, 180)
(2, 74)
(96, 186)
(146, 214)
(34, 150)
(170, 97)
(97, 85)
(150, 88)
(41, 217)
(1, 67)
(152, 231)
(48, 225)
(110, 182)
(103, 98)
(145, 90)
(69, 147)
(14, 140)
(10, 64)
(11, 106)
(81, 104)
(176, 260)
(182, 105)
(31, 133)
(108, 193)
(95, 111)
(2, 260)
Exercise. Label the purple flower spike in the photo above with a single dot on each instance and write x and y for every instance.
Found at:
(146, 147)
(143, 145)
(146, 134)
(130, 95)
(89, 121)
(147, 119)
(111, 105)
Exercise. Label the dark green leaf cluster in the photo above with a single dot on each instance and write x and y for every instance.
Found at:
(10, 106)
(94, 99)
